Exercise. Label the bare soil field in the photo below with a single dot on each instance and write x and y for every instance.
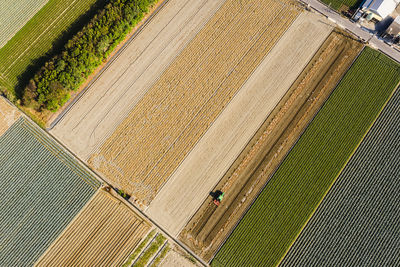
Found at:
(180, 107)
(110, 98)
(8, 115)
(209, 227)
(104, 233)
(228, 136)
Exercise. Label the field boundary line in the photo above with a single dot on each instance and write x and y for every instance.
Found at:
(132, 206)
(117, 123)
(5, 41)
(107, 65)
(195, 144)
(37, 38)
(284, 158)
(341, 170)
(60, 235)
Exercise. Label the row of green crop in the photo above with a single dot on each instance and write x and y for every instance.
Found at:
(41, 36)
(65, 72)
(363, 204)
(278, 215)
(14, 14)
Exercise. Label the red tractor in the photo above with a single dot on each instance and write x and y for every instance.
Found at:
(217, 197)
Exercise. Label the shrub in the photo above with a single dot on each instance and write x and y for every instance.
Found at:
(51, 86)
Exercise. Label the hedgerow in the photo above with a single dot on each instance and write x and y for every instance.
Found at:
(51, 86)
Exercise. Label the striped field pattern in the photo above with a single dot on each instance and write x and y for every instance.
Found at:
(34, 41)
(13, 15)
(104, 233)
(42, 188)
(293, 193)
(358, 223)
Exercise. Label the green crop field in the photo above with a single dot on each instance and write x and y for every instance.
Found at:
(358, 223)
(293, 193)
(42, 188)
(14, 14)
(41, 36)
(342, 4)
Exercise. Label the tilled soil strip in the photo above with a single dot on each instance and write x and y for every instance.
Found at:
(210, 225)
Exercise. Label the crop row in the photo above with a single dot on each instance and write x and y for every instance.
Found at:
(42, 189)
(192, 92)
(104, 233)
(291, 196)
(14, 14)
(37, 38)
(363, 204)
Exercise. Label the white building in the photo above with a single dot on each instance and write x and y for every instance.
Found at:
(378, 9)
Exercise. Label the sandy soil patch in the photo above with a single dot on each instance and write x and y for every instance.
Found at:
(104, 233)
(111, 97)
(257, 162)
(175, 258)
(8, 115)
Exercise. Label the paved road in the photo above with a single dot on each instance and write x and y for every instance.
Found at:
(354, 28)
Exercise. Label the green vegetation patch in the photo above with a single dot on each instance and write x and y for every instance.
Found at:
(14, 14)
(161, 256)
(139, 249)
(150, 251)
(342, 4)
(358, 223)
(42, 188)
(293, 193)
(86, 51)
(41, 36)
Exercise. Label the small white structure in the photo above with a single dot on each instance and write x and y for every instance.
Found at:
(378, 9)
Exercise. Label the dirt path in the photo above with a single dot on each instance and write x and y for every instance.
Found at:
(112, 96)
(247, 175)
(179, 108)
(228, 136)
(104, 233)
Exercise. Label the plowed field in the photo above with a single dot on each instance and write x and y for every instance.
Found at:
(169, 120)
(212, 156)
(104, 233)
(241, 183)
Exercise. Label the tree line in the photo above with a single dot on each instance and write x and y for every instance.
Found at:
(51, 86)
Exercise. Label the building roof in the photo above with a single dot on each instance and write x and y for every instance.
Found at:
(383, 8)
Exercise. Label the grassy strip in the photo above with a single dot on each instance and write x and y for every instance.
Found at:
(296, 189)
(139, 248)
(342, 4)
(86, 51)
(40, 38)
(155, 245)
(160, 257)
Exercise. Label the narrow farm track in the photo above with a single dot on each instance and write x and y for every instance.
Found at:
(293, 193)
(42, 188)
(263, 153)
(110, 98)
(366, 192)
(105, 232)
(218, 148)
(171, 117)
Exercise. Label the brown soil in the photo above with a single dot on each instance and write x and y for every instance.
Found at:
(210, 226)
(8, 115)
(178, 109)
(104, 233)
